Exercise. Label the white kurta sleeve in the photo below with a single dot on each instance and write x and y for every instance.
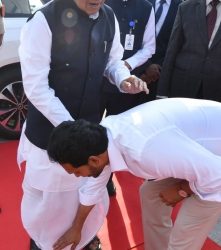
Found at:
(35, 57)
(115, 70)
(92, 192)
(148, 44)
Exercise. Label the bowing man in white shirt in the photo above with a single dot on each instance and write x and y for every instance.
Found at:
(66, 48)
(174, 144)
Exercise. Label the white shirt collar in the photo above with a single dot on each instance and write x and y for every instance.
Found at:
(94, 16)
(167, 1)
(209, 1)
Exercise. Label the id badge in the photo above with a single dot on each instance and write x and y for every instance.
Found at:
(129, 42)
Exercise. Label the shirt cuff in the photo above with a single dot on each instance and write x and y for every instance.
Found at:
(195, 190)
(120, 79)
(89, 200)
(133, 63)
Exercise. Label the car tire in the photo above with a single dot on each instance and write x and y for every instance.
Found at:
(13, 103)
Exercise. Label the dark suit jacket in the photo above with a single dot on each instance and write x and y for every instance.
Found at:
(189, 64)
(163, 37)
(162, 41)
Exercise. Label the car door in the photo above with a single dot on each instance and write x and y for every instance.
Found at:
(13, 102)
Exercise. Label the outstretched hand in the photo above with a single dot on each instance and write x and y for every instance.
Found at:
(134, 85)
(71, 236)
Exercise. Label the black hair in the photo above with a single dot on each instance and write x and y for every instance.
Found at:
(75, 141)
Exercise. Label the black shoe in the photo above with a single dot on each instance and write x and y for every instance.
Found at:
(111, 189)
(33, 246)
(95, 244)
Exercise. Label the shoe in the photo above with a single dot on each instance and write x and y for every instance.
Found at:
(111, 189)
(33, 245)
(95, 244)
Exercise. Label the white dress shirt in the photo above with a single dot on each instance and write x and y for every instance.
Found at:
(161, 20)
(148, 44)
(173, 137)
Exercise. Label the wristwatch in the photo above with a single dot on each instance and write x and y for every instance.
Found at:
(183, 193)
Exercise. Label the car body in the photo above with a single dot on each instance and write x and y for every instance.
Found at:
(13, 102)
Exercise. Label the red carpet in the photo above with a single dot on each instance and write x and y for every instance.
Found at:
(121, 231)
(12, 235)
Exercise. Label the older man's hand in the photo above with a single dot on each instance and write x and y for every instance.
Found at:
(134, 85)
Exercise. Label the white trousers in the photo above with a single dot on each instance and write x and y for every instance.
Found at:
(195, 219)
(47, 215)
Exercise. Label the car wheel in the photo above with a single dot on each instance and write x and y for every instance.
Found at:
(13, 103)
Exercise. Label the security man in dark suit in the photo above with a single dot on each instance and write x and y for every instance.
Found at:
(165, 13)
(137, 31)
